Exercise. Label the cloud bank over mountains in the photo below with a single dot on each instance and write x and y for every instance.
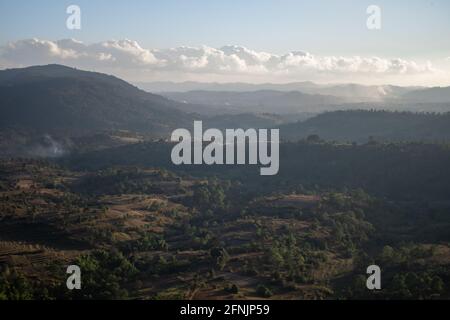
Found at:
(127, 58)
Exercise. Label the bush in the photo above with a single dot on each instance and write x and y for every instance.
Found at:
(234, 289)
(263, 291)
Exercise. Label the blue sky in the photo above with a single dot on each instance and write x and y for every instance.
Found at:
(414, 29)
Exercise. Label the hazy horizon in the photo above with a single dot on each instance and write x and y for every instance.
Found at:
(251, 42)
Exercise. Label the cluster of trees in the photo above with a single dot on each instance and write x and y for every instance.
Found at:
(125, 180)
(364, 125)
(14, 286)
(416, 285)
(148, 242)
(106, 274)
(404, 285)
(401, 171)
(210, 196)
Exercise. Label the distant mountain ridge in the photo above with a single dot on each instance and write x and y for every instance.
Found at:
(361, 125)
(58, 98)
(262, 101)
(429, 95)
(352, 92)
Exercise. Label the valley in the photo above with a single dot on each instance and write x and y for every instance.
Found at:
(86, 178)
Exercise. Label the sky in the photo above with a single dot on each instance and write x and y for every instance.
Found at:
(235, 40)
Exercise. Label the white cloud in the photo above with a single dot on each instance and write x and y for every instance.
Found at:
(128, 57)
(28, 51)
(122, 53)
(127, 51)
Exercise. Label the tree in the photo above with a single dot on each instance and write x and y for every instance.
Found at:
(263, 291)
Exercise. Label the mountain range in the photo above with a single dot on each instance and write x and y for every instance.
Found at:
(56, 98)
(429, 95)
(40, 106)
(262, 101)
(352, 92)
